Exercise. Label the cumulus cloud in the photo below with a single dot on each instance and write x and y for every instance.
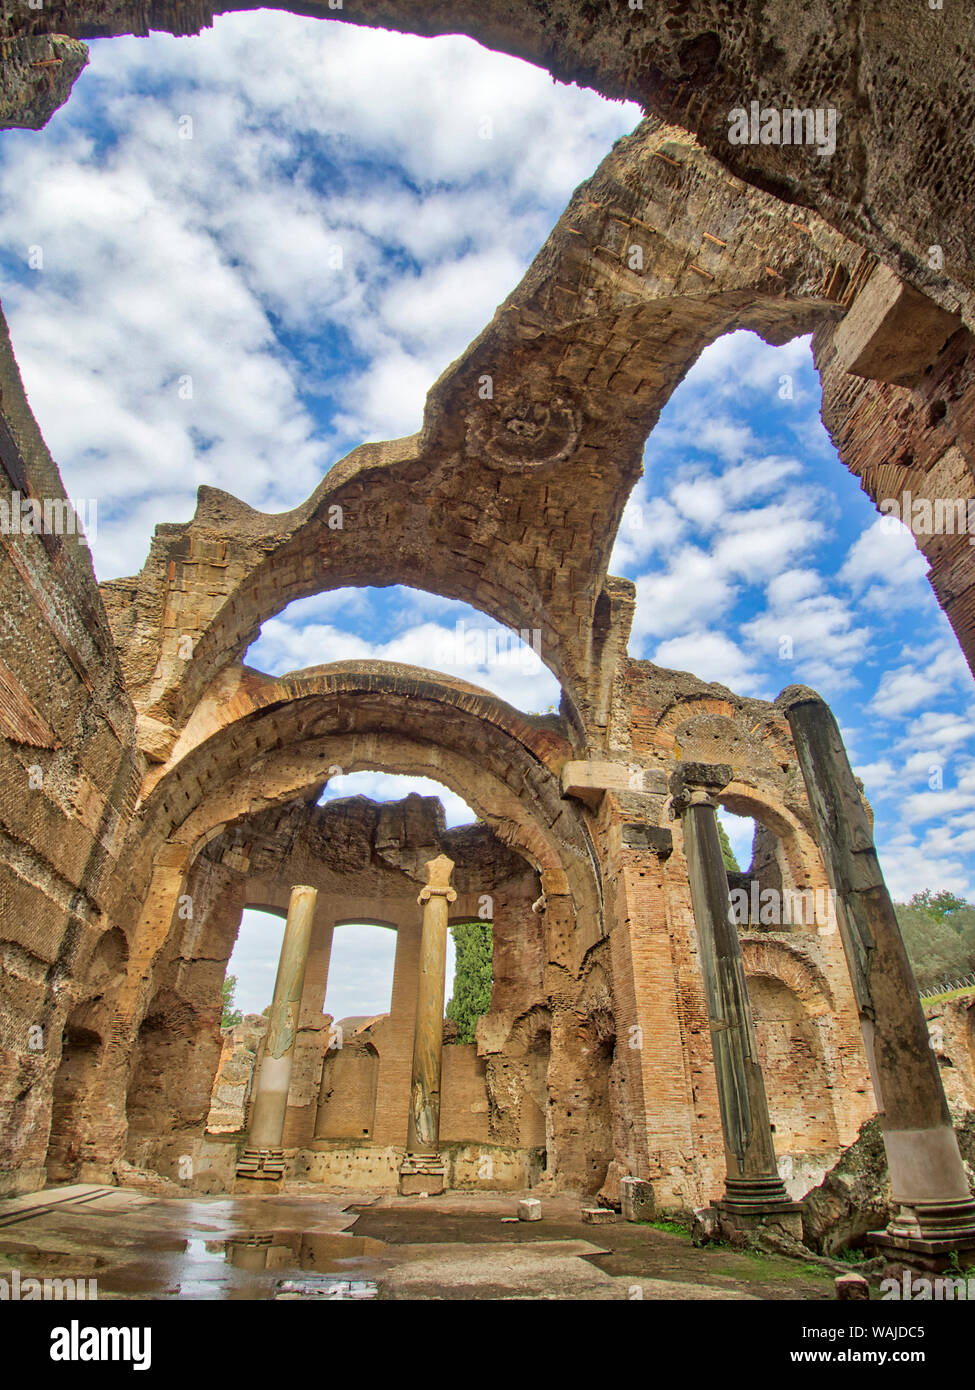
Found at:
(926, 675)
(467, 645)
(254, 260)
(884, 564)
(695, 587)
(809, 629)
(713, 657)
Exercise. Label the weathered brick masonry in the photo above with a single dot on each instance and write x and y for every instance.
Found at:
(152, 786)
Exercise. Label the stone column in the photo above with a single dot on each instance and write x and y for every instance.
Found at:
(936, 1212)
(423, 1169)
(264, 1157)
(754, 1193)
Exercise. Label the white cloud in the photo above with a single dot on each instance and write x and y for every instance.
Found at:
(761, 542)
(886, 554)
(909, 867)
(647, 526)
(712, 657)
(473, 648)
(805, 625)
(695, 588)
(926, 675)
(212, 258)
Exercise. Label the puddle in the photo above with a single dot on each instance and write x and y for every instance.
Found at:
(311, 1250)
(268, 1264)
(330, 1289)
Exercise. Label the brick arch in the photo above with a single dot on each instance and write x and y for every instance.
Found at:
(511, 503)
(772, 733)
(793, 1009)
(241, 693)
(792, 968)
(786, 822)
(269, 740)
(680, 711)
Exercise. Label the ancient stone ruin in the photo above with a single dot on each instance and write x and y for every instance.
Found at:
(154, 786)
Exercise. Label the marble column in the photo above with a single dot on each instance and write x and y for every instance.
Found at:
(754, 1192)
(423, 1169)
(263, 1156)
(935, 1210)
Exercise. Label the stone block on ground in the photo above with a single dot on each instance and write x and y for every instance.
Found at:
(637, 1200)
(530, 1209)
(598, 1216)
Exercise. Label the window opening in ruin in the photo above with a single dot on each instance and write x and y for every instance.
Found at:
(759, 563)
(471, 956)
(762, 885)
(414, 628)
(254, 959)
(393, 786)
(754, 875)
(360, 974)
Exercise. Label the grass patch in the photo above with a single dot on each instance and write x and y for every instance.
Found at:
(757, 1265)
(852, 1256)
(673, 1228)
(951, 994)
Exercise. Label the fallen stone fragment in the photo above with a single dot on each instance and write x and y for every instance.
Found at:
(705, 1227)
(851, 1286)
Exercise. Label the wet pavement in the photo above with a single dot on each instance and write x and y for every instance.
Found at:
(314, 1245)
(137, 1246)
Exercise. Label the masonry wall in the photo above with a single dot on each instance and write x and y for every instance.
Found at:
(69, 776)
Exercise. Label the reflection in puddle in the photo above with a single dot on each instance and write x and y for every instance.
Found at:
(306, 1250)
(298, 1249)
(326, 1288)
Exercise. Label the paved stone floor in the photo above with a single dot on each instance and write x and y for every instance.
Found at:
(314, 1245)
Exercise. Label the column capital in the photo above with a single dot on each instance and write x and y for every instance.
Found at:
(438, 880)
(797, 695)
(698, 784)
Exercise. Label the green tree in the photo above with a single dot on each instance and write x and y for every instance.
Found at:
(727, 853)
(939, 934)
(231, 1015)
(473, 977)
(938, 905)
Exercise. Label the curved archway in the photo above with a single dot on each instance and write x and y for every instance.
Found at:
(792, 1025)
(82, 1049)
(788, 846)
(273, 739)
(553, 443)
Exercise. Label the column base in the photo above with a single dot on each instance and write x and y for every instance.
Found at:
(930, 1229)
(261, 1165)
(426, 1173)
(750, 1203)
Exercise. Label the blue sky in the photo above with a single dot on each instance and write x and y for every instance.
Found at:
(347, 211)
